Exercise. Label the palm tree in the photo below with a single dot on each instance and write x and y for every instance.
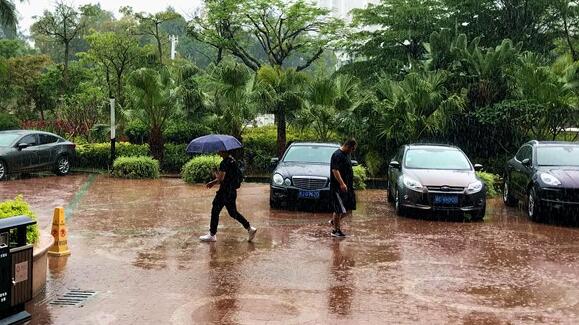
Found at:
(8, 17)
(229, 87)
(280, 93)
(153, 96)
(329, 102)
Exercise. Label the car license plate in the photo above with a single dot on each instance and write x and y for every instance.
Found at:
(314, 195)
(446, 199)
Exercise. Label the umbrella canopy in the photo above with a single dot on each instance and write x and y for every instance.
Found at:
(213, 143)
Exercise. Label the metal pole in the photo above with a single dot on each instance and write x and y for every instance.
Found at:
(113, 130)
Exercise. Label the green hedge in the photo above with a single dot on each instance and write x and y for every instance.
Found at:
(136, 167)
(8, 122)
(19, 207)
(360, 177)
(97, 155)
(490, 181)
(175, 157)
(200, 169)
(177, 132)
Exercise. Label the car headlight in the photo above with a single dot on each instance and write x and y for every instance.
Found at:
(278, 179)
(550, 179)
(412, 184)
(474, 187)
(287, 182)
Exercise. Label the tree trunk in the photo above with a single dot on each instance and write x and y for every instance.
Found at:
(281, 131)
(156, 143)
(65, 72)
(159, 45)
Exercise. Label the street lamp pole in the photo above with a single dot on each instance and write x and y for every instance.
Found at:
(113, 130)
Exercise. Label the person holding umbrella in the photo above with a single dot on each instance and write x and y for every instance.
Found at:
(229, 178)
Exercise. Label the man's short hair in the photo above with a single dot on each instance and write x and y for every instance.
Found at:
(352, 143)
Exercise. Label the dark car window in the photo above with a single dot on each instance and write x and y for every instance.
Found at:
(6, 139)
(435, 158)
(29, 140)
(47, 139)
(310, 154)
(558, 156)
(526, 152)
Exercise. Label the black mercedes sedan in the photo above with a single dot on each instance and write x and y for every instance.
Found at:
(29, 151)
(544, 175)
(302, 175)
(440, 178)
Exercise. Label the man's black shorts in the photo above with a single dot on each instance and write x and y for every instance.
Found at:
(342, 202)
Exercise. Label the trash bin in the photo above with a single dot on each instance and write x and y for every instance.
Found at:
(15, 270)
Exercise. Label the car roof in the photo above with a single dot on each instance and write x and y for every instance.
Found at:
(553, 143)
(324, 144)
(25, 132)
(432, 145)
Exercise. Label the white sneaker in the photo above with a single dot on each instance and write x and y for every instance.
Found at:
(208, 238)
(251, 232)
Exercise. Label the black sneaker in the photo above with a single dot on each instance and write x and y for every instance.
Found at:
(338, 234)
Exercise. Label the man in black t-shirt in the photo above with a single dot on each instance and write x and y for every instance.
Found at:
(228, 179)
(342, 193)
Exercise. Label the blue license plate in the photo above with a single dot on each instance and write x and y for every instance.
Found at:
(312, 195)
(446, 199)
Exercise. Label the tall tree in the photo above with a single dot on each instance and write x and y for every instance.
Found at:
(282, 29)
(281, 93)
(63, 25)
(151, 25)
(8, 17)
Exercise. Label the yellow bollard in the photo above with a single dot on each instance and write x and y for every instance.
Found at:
(60, 233)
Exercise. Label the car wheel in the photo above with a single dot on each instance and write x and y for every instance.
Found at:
(390, 196)
(274, 204)
(533, 208)
(62, 165)
(400, 211)
(3, 171)
(508, 197)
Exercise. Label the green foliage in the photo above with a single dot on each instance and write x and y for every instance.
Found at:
(97, 155)
(8, 122)
(175, 157)
(137, 131)
(139, 167)
(360, 177)
(19, 207)
(200, 169)
(182, 132)
(491, 181)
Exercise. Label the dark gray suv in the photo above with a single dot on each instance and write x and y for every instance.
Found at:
(28, 151)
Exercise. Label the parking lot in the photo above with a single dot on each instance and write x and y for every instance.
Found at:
(134, 243)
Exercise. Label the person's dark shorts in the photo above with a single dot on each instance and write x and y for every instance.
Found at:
(343, 202)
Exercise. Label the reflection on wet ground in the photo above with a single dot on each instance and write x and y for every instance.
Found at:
(135, 243)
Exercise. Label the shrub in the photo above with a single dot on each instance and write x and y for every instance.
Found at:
(8, 122)
(136, 167)
(200, 169)
(137, 132)
(490, 181)
(175, 157)
(360, 177)
(97, 155)
(182, 132)
(19, 207)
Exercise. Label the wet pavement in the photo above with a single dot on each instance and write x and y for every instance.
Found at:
(135, 244)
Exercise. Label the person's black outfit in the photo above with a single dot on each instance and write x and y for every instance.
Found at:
(226, 196)
(342, 202)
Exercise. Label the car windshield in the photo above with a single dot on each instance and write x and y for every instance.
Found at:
(558, 156)
(6, 139)
(310, 154)
(436, 158)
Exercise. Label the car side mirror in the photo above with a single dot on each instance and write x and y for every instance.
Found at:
(478, 167)
(274, 161)
(395, 165)
(22, 146)
(355, 163)
(526, 162)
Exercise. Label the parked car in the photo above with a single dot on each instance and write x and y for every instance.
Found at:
(302, 175)
(544, 175)
(28, 151)
(435, 178)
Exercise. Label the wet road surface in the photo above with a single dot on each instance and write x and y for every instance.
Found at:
(135, 244)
